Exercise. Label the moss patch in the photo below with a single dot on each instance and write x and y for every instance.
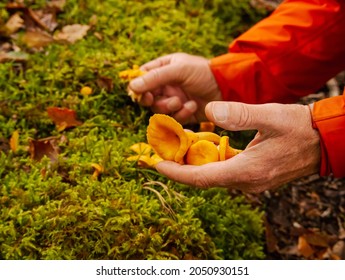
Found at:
(57, 209)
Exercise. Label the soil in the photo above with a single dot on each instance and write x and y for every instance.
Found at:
(305, 219)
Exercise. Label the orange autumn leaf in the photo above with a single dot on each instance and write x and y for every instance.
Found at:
(14, 141)
(304, 248)
(63, 117)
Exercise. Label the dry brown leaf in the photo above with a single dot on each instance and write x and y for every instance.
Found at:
(15, 5)
(37, 39)
(57, 4)
(14, 23)
(317, 239)
(63, 117)
(304, 248)
(44, 147)
(13, 56)
(48, 20)
(271, 240)
(72, 33)
(105, 83)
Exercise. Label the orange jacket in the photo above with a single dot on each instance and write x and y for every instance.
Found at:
(290, 54)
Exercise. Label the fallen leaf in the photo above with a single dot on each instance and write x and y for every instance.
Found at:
(105, 83)
(15, 5)
(318, 239)
(48, 20)
(44, 147)
(13, 56)
(57, 4)
(14, 141)
(339, 249)
(304, 248)
(271, 240)
(14, 23)
(37, 39)
(72, 33)
(4, 144)
(63, 117)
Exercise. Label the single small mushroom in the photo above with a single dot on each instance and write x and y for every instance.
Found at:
(225, 150)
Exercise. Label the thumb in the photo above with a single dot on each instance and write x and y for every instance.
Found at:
(241, 116)
(155, 78)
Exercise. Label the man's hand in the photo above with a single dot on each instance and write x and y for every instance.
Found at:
(179, 85)
(286, 147)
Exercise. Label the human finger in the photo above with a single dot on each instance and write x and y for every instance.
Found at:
(155, 79)
(242, 172)
(158, 62)
(241, 116)
(186, 113)
(166, 105)
(147, 99)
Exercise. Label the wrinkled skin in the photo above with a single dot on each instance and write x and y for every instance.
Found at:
(179, 85)
(286, 147)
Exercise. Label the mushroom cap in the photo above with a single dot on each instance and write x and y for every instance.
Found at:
(141, 148)
(168, 138)
(202, 152)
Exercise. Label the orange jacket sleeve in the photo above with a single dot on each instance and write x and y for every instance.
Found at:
(291, 53)
(329, 119)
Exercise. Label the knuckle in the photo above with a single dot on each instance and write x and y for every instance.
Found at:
(245, 118)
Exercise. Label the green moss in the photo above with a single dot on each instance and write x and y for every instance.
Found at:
(57, 210)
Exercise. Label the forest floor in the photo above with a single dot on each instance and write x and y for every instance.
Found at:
(306, 218)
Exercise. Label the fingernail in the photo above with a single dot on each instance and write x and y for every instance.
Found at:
(220, 112)
(191, 106)
(137, 84)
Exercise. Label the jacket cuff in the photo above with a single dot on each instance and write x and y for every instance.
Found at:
(329, 119)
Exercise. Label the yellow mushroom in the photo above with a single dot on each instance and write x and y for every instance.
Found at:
(129, 75)
(156, 159)
(206, 127)
(225, 150)
(202, 152)
(141, 148)
(168, 138)
(209, 136)
(143, 160)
